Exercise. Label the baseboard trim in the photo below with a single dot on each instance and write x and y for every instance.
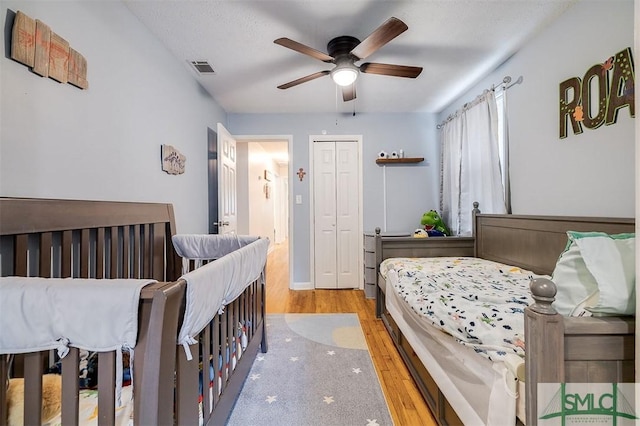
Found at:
(302, 286)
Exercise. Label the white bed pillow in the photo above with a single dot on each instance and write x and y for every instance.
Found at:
(596, 273)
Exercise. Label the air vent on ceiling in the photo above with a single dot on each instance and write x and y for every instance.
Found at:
(203, 67)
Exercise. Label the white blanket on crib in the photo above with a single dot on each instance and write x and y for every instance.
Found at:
(216, 284)
(54, 313)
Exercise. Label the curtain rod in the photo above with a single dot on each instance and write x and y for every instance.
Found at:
(505, 82)
(504, 85)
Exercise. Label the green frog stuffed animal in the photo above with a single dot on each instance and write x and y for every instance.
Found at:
(434, 225)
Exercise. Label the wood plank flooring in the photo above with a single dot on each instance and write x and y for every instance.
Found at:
(406, 404)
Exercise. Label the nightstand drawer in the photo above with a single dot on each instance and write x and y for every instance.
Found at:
(369, 259)
(370, 276)
(370, 243)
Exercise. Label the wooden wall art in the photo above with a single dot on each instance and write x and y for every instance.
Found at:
(173, 162)
(47, 53)
(595, 99)
(43, 49)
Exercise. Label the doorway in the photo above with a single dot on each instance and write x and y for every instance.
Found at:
(336, 194)
(264, 199)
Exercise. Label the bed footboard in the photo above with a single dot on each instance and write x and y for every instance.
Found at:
(573, 349)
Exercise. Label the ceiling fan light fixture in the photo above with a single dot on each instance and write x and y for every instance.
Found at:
(344, 75)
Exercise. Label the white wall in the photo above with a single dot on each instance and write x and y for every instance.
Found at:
(281, 201)
(590, 174)
(58, 141)
(242, 185)
(261, 208)
(411, 190)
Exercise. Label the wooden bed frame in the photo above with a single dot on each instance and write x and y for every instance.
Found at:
(559, 349)
(102, 239)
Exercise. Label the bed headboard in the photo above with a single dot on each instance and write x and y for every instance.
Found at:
(87, 239)
(535, 242)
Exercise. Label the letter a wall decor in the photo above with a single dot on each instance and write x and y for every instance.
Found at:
(594, 100)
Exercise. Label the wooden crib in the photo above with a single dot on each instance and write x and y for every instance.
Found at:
(104, 240)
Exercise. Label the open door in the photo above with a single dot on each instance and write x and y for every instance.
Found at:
(227, 196)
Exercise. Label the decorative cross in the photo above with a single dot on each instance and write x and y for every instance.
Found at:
(301, 173)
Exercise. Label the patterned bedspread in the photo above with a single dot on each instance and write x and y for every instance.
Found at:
(479, 302)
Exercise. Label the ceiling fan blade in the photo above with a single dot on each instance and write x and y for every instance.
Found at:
(304, 79)
(299, 47)
(349, 92)
(386, 32)
(392, 70)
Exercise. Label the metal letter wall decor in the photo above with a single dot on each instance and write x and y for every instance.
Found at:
(595, 100)
(46, 53)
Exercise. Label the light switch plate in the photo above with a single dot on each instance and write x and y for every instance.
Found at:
(298, 199)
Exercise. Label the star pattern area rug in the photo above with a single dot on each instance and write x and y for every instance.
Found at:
(318, 371)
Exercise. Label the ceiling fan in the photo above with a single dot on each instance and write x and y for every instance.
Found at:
(345, 51)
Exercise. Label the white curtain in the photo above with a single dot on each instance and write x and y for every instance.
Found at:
(471, 164)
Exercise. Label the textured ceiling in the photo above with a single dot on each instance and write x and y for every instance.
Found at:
(456, 42)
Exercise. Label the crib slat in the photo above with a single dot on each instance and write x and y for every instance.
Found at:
(224, 339)
(84, 253)
(46, 241)
(4, 369)
(157, 252)
(112, 268)
(252, 309)
(187, 387)
(146, 253)
(136, 251)
(33, 388)
(217, 345)
(67, 238)
(106, 388)
(100, 259)
(126, 253)
(70, 388)
(21, 253)
(206, 373)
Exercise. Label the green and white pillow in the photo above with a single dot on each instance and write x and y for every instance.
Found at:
(596, 274)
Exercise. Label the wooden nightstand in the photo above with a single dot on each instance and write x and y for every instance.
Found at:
(379, 246)
(370, 265)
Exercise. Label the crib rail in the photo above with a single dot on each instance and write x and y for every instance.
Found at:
(108, 240)
(221, 343)
(160, 305)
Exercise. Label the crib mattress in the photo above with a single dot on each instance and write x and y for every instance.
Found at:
(88, 409)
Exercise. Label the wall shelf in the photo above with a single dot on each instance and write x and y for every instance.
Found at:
(406, 160)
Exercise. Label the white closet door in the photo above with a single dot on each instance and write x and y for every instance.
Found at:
(336, 204)
(348, 266)
(324, 193)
